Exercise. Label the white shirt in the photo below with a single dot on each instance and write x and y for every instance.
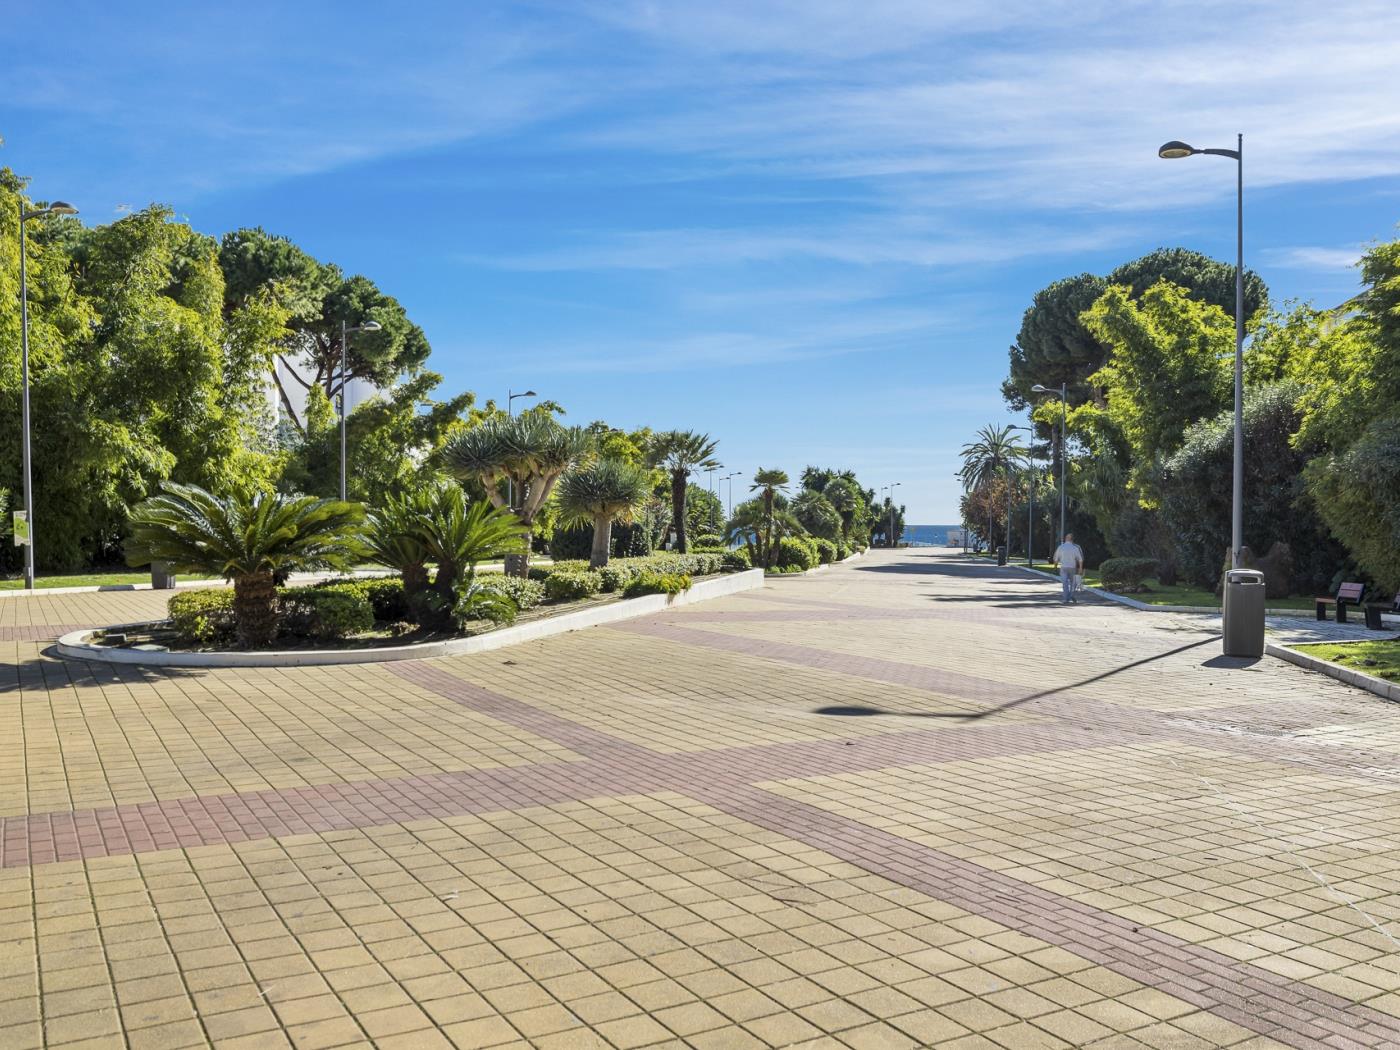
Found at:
(1070, 557)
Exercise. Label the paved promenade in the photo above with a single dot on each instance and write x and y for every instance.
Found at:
(909, 802)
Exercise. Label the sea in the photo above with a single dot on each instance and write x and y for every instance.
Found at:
(928, 535)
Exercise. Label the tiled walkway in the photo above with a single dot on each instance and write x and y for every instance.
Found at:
(908, 802)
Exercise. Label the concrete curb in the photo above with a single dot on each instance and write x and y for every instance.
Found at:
(76, 646)
(815, 568)
(1370, 683)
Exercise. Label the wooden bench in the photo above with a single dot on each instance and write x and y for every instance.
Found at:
(1347, 593)
(1375, 609)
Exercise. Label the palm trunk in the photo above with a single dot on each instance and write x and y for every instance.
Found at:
(255, 609)
(678, 508)
(415, 578)
(519, 564)
(768, 542)
(602, 541)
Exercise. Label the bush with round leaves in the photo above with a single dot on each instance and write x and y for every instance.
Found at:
(526, 594)
(648, 582)
(323, 613)
(737, 560)
(572, 585)
(203, 617)
(795, 552)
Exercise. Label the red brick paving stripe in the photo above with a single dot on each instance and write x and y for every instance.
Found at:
(1288, 1011)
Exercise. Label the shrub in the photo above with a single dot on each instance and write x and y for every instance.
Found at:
(842, 550)
(709, 539)
(483, 601)
(526, 594)
(649, 582)
(826, 550)
(795, 553)
(1127, 574)
(385, 595)
(572, 542)
(571, 586)
(204, 617)
(323, 613)
(615, 575)
(737, 560)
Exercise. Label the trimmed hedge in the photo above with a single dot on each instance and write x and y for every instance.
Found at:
(385, 595)
(572, 586)
(526, 594)
(648, 582)
(737, 560)
(202, 617)
(1127, 574)
(795, 553)
(323, 613)
(826, 550)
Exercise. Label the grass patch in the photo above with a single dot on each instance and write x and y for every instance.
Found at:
(1179, 594)
(1380, 658)
(88, 579)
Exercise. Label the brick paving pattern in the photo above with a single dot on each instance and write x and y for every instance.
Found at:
(912, 801)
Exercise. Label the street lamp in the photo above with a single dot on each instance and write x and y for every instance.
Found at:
(1030, 512)
(56, 208)
(1175, 150)
(1062, 394)
(730, 478)
(890, 536)
(711, 471)
(346, 330)
(510, 404)
(510, 400)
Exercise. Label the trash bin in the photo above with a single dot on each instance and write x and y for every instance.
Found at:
(162, 579)
(1001, 555)
(1243, 613)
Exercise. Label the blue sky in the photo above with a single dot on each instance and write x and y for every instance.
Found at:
(807, 227)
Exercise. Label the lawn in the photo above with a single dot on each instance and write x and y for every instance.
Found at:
(1180, 594)
(88, 579)
(1380, 658)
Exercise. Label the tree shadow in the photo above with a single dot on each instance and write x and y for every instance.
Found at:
(860, 711)
(49, 670)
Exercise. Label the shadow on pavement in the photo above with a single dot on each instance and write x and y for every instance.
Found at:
(1237, 663)
(976, 716)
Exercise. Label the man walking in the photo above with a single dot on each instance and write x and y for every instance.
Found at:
(1069, 556)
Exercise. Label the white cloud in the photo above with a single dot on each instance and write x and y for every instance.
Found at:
(1314, 258)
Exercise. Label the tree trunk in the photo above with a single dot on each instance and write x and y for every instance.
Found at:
(519, 564)
(678, 508)
(255, 610)
(415, 578)
(602, 541)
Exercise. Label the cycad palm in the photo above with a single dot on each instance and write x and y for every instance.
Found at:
(246, 537)
(678, 452)
(600, 493)
(529, 452)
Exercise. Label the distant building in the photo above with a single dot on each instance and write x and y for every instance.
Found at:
(294, 375)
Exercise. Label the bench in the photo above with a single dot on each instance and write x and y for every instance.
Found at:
(1347, 593)
(1375, 609)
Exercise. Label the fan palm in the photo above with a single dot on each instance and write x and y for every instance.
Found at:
(247, 537)
(759, 529)
(817, 514)
(529, 452)
(678, 452)
(769, 483)
(600, 493)
(996, 451)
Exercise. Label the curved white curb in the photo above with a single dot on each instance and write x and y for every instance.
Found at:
(76, 645)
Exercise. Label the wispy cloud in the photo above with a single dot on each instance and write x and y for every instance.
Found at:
(1314, 258)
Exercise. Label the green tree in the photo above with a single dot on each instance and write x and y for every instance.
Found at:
(769, 483)
(817, 515)
(248, 538)
(1168, 365)
(679, 452)
(518, 461)
(996, 450)
(760, 526)
(599, 493)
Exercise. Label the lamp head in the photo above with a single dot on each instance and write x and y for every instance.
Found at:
(1038, 389)
(529, 393)
(371, 326)
(1175, 150)
(61, 208)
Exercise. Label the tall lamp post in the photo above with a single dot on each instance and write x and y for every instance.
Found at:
(889, 536)
(1175, 150)
(730, 478)
(56, 208)
(1030, 512)
(711, 471)
(347, 330)
(1062, 394)
(510, 414)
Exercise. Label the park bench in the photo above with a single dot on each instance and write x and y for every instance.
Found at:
(1375, 609)
(1347, 593)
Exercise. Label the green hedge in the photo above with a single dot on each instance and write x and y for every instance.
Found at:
(1127, 574)
(572, 585)
(526, 594)
(323, 613)
(648, 582)
(796, 552)
(385, 595)
(202, 617)
(826, 550)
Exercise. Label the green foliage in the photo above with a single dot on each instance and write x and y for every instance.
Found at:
(1168, 365)
(202, 617)
(599, 493)
(485, 601)
(679, 453)
(1357, 493)
(737, 560)
(526, 594)
(323, 613)
(385, 595)
(826, 550)
(795, 552)
(571, 542)
(1127, 574)
(649, 582)
(817, 514)
(572, 585)
(997, 450)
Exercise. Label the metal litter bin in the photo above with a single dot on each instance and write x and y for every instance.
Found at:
(162, 579)
(1001, 555)
(1243, 613)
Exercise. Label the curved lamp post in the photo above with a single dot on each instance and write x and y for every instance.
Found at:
(730, 478)
(1062, 394)
(346, 330)
(56, 208)
(510, 413)
(1030, 511)
(1176, 150)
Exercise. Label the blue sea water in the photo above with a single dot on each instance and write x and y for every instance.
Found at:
(928, 535)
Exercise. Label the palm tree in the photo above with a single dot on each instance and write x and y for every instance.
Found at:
(817, 514)
(760, 529)
(396, 538)
(844, 494)
(247, 537)
(529, 452)
(769, 482)
(600, 493)
(996, 450)
(458, 535)
(678, 452)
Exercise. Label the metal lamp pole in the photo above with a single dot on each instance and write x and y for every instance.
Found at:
(510, 414)
(56, 208)
(730, 478)
(711, 471)
(1175, 150)
(1030, 513)
(346, 331)
(890, 536)
(1063, 394)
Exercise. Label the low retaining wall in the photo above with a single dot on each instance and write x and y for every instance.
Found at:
(77, 646)
(1368, 682)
